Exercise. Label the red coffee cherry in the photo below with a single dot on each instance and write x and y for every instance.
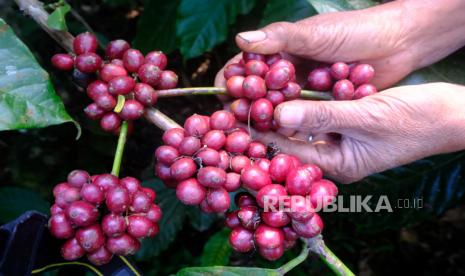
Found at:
(323, 193)
(271, 254)
(116, 49)
(214, 139)
(208, 157)
(278, 77)
(173, 137)
(256, 67)
(113, 225)
(131, 184)
(256, 150)
(280, 166)
(90, 238)
(301, 208)
(85, 43)
(183, 168)
(237, 142)
(244, 199)
(269, 237)
(339, 70)
(63, 62)
(222, 120)
(240, 108)
(60, 227)
(92, 194)
(364, 90)
(361, 74)
(233, 69)
(254, 87)
(166, 154)
(96, 89)
(276, 219)
(319, 79)
(149, 74)
(224, 160)
(71, 250)
(283, 63)
(77, 178)
(310, 228)
(117, 200)
(168, 80)
(163, 171)
(154, 213)
(249, 217)
(299, 181)
(132, 60)
(212, 177)
(218, 200)
(273, 58)
(132, 110)
(271, 195)
(111, 71)
(343, 90)
(88, 62)
(94, 112)
(232, 221)
(291, 91)
(100, 256)
(189, 145)
(106, 181)
(141, 202)
(81, 213)
(241, 239)
(123, 245)
(157, 58)
(196, 125)
(190, 192)
(139, 226)
(110, 122)
(253, 56)
(275, 97)
(233, 182)
(121, 85)
(261, 110)
(234, 86)
(255, 178)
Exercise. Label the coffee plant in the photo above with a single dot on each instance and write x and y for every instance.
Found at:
(210, 164)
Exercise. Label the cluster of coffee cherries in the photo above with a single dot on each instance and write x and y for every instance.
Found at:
(119, 86)
(260, 82)
(211, 157)
(346, 81)
(102, 215)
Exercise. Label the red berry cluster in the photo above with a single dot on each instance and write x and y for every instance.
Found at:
(125, 71)
(210, 157)
(260, 82)
(346, 81)
(126, 210)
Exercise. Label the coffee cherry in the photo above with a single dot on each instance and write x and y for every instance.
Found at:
(93, 111)
(100, 256)
(234, 86)
(271, 195)
(60, 188)
(67, 196)
(63, 62)
(189, 145)
(364, 90)
(296, 161)
(278, 77)
(273, 58)
(132, 110)
(261, 110)
(254, 87)
(256, 150)
(106, 181)
(240, 162)
(196, 125)
(149, 192)
(85, 43)
(132, 60)
(314, 170)
(271, 254)
(81, 213)
(77, 178)
(244, 199)
(222, 120)
(116, 49)
(111, 71)
(105, 101)
(237, 142)
(291, 91)
(323, 193)
(218, 200)
(117, 199)
(110, 122)
(173, 137)
(82, 79)
(208, 157)
(339, 70)
(145, 94)
(96, 89)
(283, 63)
(183, 168)
(205, 207)
(60, 227)
(190, 192)
(299, 181)
(214, 139)
(140, 202)
(55, 209)
(343, 90)
(212, 177)
(252, 56)
(310, 228)
(157, 58)
(113, 225)
(275, 97)
(71, 250)
(92, 194)
(249, 217)
(90, 238)
(139, 226)
(233, 69)
(301, 208)
(241, 239)
(163, 171)
(224, 160)
(154, 213)
(280, 166)
(263, 163)
(149, 74)
(319, 79)
(256, 67)
(123, 245)
(121, 85)
(118, 62)
(232, 221)
(276, 219)
(361, 74)
(168, 80)
(240, 108)
(88, 63)
(255, 178)
(233, 182)
(290, 234)
(166, 154)
(269, 237)
(131, 184)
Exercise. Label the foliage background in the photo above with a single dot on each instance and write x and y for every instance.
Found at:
(199, 37)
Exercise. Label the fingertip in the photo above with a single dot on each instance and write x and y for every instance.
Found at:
(289, 114)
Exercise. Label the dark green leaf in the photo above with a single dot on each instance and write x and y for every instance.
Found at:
(325, 6)
(27, 97)
(217, 250)
(15, 201)
(199, 220)
(174, 213)
(156, 28)
(57, 19)
(292, 10)
(202, 24)
(227, 271)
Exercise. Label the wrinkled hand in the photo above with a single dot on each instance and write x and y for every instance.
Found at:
(391, 128)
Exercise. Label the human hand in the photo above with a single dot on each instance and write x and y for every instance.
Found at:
(376, 133)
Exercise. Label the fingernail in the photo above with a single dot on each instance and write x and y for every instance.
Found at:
(290, 116)
(253, 36)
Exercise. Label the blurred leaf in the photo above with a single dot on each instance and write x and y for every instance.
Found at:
(116, 3)
(174, 213)
(57, 19)
(291, 10)
(27, 97)
(199, 220)
(217, 250)
(325, 6)
(227, 271)
(361, 4)
(15, 201)
(156, 28)
(202, 24)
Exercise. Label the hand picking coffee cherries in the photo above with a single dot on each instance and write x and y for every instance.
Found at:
(102, 215)
(211, 157)
(125, 73)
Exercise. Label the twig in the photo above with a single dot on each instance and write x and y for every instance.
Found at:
(159, 119)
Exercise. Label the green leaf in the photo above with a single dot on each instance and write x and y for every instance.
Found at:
(361, 4)
(227, 271)
(156, 27)
(291, 10)
(27, 97)
(200, 220)
(217, 250)
(325, 6)
(174, 213)
(57, 19)
(15, 201)
(202, 24)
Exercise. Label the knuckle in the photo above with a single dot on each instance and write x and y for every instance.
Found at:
(320, 118)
